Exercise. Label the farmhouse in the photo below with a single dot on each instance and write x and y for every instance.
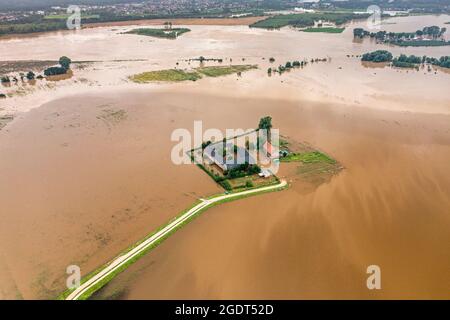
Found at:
(228, 156)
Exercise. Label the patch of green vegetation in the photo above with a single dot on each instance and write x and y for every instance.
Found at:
(159, 33)
(308, 157)
(427, 37)
(226, 185)
(174, 75)
(377, 56)
(306, 19)
(422, 43)
(218, 71)
(325, 29)
(443, 61)
(171, 75)
(31, 27)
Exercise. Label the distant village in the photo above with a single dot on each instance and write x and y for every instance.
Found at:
(13, 12)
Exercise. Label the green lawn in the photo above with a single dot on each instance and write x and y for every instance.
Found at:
(308, 157)
(170, 75)
(174, 75)
(325, 30)
(159, 33)
(218, 71)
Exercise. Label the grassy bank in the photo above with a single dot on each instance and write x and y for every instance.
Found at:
(325, 30)
(159, 33)
(175, 75)
(303, 20)
(219, 71)
(421, 43)
(308, 157)
(171, 75)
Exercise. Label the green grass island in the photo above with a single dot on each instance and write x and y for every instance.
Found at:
(324, 29)
(177, 75)
(171, 33)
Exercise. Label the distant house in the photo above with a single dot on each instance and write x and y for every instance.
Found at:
(228, 157)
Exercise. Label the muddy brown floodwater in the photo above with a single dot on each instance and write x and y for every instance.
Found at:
(86, 171)
(390, 207)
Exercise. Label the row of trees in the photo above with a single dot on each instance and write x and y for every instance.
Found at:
(404, 61)
(443, 61)
(64, 66)
(433, 32)
(64, 63)
(412, 61)
(30, 75)
(377, 56)
(294, 64)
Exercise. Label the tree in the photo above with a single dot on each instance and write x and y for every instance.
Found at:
(65, 62)
(53, 71)
(377, 56)
(358, 32)
(265, 123)
(30, 75)
(205, 144)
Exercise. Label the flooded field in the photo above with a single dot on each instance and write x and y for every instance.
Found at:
(86, 167)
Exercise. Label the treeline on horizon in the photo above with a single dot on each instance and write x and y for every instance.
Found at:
(430, 6)
(426, 37)
(43, 4)
(425, 6)
(432, 31)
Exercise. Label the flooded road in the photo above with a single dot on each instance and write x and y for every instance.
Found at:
(86, 168)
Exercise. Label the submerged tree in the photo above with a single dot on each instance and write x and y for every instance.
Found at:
(30, 75)
(265, 123)
(65, 62)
